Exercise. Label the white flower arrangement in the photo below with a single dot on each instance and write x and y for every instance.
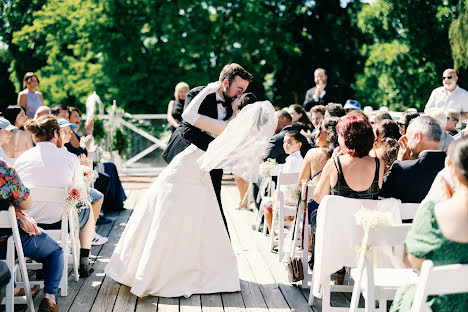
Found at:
(264, 169)
(89, 175)
(292, 195)
(370, 219)
(76, 198)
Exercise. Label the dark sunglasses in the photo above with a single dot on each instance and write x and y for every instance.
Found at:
(400, 124)
(448, 77)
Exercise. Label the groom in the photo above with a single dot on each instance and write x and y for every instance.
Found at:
(235, 81)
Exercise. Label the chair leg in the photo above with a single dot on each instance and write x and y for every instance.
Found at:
(273, 226)
(64, 280)
(10, 289)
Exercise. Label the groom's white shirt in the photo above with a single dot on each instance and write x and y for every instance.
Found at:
(222, 112)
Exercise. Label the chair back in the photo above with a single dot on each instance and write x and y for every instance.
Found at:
(276, 169)
(11, 161)
(48, 194)
(307, 191)
(288, 178)
(439, 280)
(408, 210)
(393, 235)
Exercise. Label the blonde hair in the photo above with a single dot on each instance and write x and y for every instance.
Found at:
(180, 86)
(452, 114)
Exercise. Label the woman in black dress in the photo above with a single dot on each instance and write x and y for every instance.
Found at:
(176, 107)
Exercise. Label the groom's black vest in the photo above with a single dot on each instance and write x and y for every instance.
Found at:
(187, 134)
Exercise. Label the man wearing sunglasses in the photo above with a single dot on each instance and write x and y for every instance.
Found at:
(450, 95)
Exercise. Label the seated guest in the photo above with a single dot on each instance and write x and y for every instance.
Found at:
(20, 140)
(405, 120)
(300, 120)
(353, 173)
(292, 147)
(385, 129)
(453, 116)
(41, 111)
(387, 151)
(97, 198)
(317, 113)
(376, 117)
(439, 115)
(410, 180)
(334, 110)
(108, 182)
(75, 147)
(5, 136)
(352, 105)
(37, 245)
(48, 165)
(440, 233)
(315, 160)
(275, 148)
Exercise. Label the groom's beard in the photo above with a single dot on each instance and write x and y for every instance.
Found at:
(227, 99)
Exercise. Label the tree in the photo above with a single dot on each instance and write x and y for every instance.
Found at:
(409, 52)
(459, 36)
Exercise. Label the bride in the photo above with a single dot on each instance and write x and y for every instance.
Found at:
(175, 243)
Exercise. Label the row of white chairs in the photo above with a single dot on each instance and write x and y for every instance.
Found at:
(375, 284)
(67, 237)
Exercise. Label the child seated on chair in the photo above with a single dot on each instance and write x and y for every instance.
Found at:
(292, 147)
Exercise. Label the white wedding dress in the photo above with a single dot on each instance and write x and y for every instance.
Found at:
(175, 243)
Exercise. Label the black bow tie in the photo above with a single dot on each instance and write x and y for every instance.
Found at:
(222, 103)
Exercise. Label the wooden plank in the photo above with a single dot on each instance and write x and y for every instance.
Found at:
(233, 302)
(192, 304)
(147, 304)
(107, 295)
(91, 285)
(168, 304)
(126, 301)
(211, 303)
(270, 291)
(250, 290)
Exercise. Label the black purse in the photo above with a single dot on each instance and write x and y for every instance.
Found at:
(294, 265)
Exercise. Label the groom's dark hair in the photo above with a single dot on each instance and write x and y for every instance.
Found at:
(230, 71)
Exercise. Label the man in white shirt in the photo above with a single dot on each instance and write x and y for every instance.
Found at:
(5, 135)
(450, 95)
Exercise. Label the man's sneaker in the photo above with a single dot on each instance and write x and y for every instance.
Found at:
(99, 240)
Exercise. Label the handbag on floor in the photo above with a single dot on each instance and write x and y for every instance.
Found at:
(294, 265)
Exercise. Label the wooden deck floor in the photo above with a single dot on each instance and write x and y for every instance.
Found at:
(264, 283)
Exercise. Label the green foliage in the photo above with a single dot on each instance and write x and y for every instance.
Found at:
(409, 52)
(135, 51)
(121, 143)
(459, 36)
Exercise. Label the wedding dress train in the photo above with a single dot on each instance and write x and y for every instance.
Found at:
(175, 243)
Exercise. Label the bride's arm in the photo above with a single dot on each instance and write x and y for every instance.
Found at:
(199, 121)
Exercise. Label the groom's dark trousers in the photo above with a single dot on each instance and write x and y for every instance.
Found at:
(186, 134)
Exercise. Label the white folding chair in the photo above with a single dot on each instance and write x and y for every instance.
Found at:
(11, 161)
(67, 239)
(379, 283)
(307, 192)
(8, 221)
(280, 210)
(336, 239)
(408, 210)
(266, 188)
(439, 280)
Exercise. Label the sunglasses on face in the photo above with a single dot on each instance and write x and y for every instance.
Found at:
(448, 77)
(400, 124)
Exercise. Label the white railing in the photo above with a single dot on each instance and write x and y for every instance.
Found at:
(131, 166)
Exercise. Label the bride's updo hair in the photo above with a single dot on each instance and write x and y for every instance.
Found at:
(247, 98)
(43, 128)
